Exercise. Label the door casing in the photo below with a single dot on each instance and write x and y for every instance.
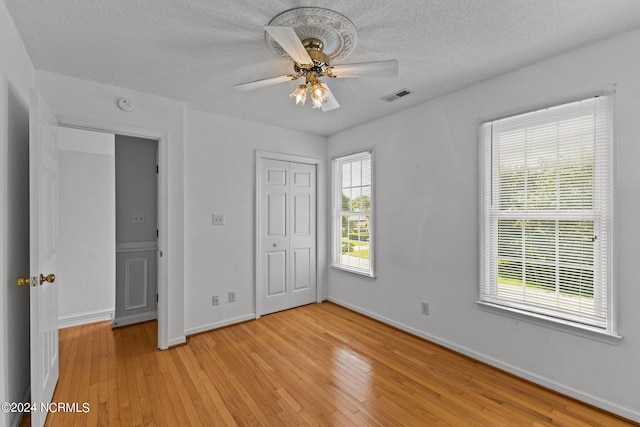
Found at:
(162, 203)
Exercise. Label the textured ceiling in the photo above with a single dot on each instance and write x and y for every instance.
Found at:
(196, 50)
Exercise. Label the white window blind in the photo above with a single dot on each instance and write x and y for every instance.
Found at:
(547, 197)
(353, 209)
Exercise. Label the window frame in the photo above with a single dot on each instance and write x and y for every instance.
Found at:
(336, 223)
(608, 334)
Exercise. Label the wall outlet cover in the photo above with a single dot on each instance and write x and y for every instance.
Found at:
(137, 219)
(425, 308)
(217, 219)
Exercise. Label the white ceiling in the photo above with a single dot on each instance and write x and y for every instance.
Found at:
(196, 50)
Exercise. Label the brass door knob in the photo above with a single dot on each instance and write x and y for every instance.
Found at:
(23, 281)
(49, 279)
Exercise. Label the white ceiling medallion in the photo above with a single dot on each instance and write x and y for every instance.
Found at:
(313, 38)
(338, 34)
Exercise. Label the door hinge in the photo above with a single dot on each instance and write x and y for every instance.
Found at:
(157, 298)
(157, 233)
(157, 169)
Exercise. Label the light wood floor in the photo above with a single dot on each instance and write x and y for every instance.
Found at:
(316, 365)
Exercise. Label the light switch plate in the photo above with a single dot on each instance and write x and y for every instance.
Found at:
(217, 219)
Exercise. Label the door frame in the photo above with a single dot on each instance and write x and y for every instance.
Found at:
(320, 220)
(162, 205)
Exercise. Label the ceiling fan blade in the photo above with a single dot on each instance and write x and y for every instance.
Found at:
(287, 38)
(367, 69)
(332, 102)
(257, 84)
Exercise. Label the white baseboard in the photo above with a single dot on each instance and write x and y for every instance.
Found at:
(545, 382)
(177, 341)
(133, 318)
(77, 319)
(216, 325)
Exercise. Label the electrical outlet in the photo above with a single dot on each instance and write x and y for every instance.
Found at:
(137, 219)
(425, 308)
(232, 296)
(215, 300)
(217, 219)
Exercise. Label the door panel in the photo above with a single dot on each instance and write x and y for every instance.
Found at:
(301, 179)
(276, 273)
(276, 175)
(286, 264)
(301, 269)
(43, 229)
(301, 215)
(136, 283)
(276, 214)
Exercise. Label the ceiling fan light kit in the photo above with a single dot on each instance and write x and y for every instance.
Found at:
(313, 38)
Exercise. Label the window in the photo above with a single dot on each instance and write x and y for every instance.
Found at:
(353, 208)
(547, 220)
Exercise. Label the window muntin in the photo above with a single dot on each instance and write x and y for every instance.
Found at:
(547, 213)
(353, 213)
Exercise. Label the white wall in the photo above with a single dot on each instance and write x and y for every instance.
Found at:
(220, 178)
(93, 105)
(87, 227)
(16, 77)
(426, 171)
(218, 175)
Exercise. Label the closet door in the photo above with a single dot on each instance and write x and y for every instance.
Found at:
(287, 235)
(302, 236)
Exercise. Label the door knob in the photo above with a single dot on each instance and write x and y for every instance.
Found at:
(23, 281)
(49, 279)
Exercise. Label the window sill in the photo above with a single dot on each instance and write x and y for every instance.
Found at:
(557, 324)
(351, 272)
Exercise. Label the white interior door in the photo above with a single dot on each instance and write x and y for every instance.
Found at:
(302, 233)
(287, 235)
(43, 198)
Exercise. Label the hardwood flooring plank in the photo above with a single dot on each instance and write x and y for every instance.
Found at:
(315, 365)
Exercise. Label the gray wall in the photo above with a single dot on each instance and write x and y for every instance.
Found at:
(135, 176)
(17, 309)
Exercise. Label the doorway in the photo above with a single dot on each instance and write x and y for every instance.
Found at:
(286, 233)
(109, 227)
(162, 139)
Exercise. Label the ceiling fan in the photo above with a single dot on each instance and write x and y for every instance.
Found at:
(312, 38)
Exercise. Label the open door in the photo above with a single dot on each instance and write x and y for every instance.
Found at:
(43, 229)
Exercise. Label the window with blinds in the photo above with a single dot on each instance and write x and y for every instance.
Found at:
(547, 219)
(353, 213)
